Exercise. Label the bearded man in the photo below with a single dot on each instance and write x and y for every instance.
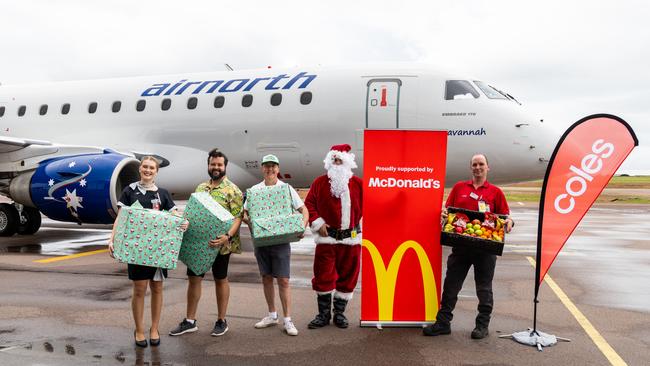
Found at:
(230, 197)
(334, 204)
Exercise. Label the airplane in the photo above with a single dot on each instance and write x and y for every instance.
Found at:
(67, 149)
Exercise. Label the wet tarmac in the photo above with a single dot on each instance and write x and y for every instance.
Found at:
(76, 312)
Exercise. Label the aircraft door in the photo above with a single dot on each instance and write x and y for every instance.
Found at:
(291, 169)
(382, 103)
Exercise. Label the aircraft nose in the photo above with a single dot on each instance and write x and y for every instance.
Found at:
(545, 138)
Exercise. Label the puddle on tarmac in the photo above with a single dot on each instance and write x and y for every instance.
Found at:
(69, 349)
(48, 347)
(117, 293)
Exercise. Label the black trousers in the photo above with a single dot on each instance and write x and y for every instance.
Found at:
(458, 265)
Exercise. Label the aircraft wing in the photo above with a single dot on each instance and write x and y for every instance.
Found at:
(20, 154)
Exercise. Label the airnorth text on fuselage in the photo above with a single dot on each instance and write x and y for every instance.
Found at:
(282, 81)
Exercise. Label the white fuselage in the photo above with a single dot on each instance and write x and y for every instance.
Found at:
(344, 102)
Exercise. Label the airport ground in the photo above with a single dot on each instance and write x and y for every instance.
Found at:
(64, 301)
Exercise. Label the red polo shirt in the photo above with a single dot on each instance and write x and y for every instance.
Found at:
(464, 195)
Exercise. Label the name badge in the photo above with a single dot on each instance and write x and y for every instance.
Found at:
(482, 206)
(473, 195)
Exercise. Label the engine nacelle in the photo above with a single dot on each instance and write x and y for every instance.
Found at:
(81, 188)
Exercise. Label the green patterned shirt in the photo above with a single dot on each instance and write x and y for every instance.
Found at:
(229, 196)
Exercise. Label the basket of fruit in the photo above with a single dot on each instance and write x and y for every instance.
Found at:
(473, 229)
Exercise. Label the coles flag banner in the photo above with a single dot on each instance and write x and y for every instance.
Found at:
(403, 174)
(584, 160)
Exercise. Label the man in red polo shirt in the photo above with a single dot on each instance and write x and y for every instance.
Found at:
(476, 194)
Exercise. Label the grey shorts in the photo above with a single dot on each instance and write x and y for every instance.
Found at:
(274, 260)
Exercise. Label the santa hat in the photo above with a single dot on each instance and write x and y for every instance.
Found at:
(340, 152)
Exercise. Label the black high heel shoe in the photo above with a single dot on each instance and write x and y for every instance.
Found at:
(154, 342)
(142, 343)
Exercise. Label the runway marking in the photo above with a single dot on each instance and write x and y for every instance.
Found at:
(71, 256)
(595, 336)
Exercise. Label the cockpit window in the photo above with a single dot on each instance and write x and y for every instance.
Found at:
(459, 89)
(490, 91)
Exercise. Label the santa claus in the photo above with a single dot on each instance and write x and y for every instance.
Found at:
(334, 204)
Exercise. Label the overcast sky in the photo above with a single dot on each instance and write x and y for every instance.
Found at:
(563, 59)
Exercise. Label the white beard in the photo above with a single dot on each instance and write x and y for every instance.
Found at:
(339, 176)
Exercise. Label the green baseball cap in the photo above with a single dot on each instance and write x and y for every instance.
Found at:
(270, 158)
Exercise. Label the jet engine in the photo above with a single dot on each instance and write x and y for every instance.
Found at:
(80, 188)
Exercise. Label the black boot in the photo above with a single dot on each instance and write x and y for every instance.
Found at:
(339, 307)
(324, 312)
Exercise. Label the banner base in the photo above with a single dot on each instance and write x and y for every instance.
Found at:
(535, 338)
(393, 324)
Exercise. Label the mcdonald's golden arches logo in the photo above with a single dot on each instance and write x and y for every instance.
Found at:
(386, 277)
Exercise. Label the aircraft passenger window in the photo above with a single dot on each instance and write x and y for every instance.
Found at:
(65, 109)
(192, 102)
(276, 99)
(2, 111)
(117, 105)
(247, 100)
(43, 110)
(305, 98)
(490, 91)
(139, 106)
(219, 101)
(166, 104)
(459, 89)
(21, 110)
(92, 107)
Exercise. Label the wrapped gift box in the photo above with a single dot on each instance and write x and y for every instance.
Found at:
(277, 230)
(464, 241)
(273, 219)
(147, 237)
(208, 220)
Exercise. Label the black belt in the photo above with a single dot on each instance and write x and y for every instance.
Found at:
(341, 234)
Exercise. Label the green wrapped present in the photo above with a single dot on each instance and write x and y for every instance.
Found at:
(273, 219)
(147, 237)
(208, 220)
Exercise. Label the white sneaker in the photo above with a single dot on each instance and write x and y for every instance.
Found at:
(266, 322)
(290, 328)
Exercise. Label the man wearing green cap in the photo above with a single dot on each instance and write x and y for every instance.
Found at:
(273, 261)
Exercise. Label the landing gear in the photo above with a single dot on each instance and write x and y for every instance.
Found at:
(30, 221)
(15, 218)
(9, 219)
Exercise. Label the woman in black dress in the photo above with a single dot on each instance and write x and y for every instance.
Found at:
(149, 196)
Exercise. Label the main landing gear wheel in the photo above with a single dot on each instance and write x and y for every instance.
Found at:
(30, 221)
(9, 219)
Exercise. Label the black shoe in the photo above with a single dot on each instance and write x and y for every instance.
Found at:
(340, 320)
(324, 312)
(436, 329)
(339, 307)
(154, 342)
(480, 332)
(142, 343)
(220, 328)
(319, 321)
(184, 327)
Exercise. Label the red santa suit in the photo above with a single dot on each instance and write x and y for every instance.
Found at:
(330, 201)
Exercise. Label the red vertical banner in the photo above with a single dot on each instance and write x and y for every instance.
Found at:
(403, 173)
(584, 160)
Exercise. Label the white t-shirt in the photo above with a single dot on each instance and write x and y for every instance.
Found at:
(295, 198)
